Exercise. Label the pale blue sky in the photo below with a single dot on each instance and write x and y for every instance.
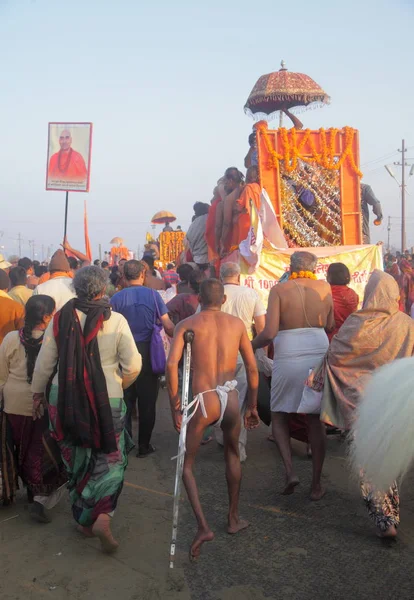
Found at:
(165, 84)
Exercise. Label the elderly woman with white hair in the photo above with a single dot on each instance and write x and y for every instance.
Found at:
(90, 352)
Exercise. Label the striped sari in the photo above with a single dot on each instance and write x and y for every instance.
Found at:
(95, 478)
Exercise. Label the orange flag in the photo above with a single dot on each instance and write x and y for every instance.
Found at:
(88, 251)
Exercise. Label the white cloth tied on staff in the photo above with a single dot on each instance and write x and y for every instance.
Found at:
(222, 392)
(297, 351)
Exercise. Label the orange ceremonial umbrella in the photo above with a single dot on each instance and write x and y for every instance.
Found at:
(163, 216)
(283, 90)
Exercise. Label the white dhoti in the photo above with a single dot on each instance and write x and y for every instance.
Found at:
(222, 392)
(297, 351)
(241, 379)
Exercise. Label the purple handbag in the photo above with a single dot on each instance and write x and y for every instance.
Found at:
(157, 352)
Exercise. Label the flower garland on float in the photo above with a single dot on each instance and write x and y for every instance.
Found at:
(326, 157)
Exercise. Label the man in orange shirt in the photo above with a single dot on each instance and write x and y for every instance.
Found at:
(11, 312)
(242, 208)
(67, 164)
(233, 186)
(237, 210)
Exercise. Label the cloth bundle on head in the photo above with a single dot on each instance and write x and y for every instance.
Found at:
(59, 262)
(4, 280)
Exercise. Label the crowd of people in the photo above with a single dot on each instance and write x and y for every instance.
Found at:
(84, 350)
(401, 267)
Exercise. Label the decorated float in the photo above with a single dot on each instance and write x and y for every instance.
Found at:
(313, 181)
(170, 241)
(118, 252)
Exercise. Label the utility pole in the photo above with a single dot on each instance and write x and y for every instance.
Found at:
(402, 164)
(403, 241)
(19, 239)
(32, 246)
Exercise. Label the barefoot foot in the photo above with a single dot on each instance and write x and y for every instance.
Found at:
(202, 535)
(86, 531)
(317, 493)
(389, 533)
(102, 530)
(236, 525)
(291, 483)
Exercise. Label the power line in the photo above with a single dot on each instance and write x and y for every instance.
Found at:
(379, 159)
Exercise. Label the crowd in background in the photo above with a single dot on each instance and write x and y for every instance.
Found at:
(401, 267)
(53, 321)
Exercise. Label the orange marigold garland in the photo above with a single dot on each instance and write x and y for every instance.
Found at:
(292, 151)
(303, 275)
(171, 245)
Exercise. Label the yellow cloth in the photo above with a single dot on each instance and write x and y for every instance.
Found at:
(11, 315)
(20, 294)
(4, 294)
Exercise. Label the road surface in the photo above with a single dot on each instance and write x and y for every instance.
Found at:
(294, 549)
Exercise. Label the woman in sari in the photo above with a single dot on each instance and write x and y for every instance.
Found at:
(26, 446)
(92, 355)
(374, 336)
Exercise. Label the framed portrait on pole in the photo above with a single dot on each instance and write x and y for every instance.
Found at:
(69, 157)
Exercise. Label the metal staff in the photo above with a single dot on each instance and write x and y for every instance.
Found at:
(188, 340)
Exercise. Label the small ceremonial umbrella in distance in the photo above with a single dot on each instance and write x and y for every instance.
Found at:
(116, 240)
(162, 217)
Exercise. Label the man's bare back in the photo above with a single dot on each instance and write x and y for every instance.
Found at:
(218, 337)
(297, 304)
(304, 303)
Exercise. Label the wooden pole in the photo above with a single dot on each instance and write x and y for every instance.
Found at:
(65, 228)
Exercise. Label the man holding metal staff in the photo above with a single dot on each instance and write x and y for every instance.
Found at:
(218, 338)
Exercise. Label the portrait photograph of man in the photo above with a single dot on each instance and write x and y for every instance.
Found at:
(68, 162)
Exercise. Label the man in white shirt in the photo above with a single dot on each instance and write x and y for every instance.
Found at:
(59, 284)
(245, 303)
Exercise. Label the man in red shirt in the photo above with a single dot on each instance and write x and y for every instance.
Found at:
(170, 276)
(345, 299)
(67, 164)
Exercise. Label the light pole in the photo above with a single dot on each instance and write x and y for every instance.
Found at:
(389, 232)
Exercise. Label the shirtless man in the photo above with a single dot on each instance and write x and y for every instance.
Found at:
(233, 186)
(298, 313)
(218, 339)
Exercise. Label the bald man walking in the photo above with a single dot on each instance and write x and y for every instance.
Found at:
(217, 342)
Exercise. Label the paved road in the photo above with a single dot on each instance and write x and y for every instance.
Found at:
(294, 549)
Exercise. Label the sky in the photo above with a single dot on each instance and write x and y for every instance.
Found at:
(164, 84)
